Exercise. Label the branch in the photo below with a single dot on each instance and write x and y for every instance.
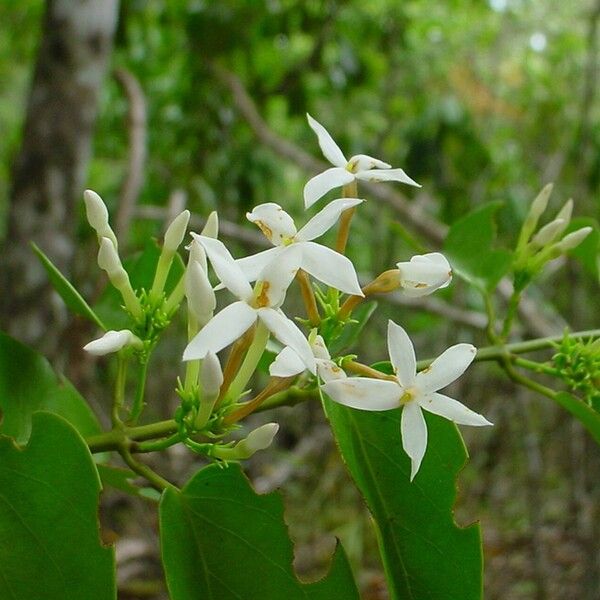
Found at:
(136, 133)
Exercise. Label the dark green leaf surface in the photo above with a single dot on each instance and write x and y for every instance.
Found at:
(468, 247)
(425, 555)
(28, 384)
(120, 479)
(582, 411)
(49, 543)
(71, 297)
(222, 541)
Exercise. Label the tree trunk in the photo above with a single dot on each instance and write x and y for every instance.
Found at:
(50, 168)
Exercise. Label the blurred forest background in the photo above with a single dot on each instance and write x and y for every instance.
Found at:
(158, 105)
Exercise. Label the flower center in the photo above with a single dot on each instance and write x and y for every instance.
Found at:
(261, 295)
(408, 396)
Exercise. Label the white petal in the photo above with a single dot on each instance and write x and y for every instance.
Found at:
(362, 162)
(364, 393)
(325, 219)
(414, 435)
(330, 267)
(211, 227)
(386, 175)
(111, 341)
(322, 183)
(402, 354)
(199, 293)
(446, 368)
(211, 375)
(253, 265)
(451, 409)
(197, 254)
(420, 277)
(436, 258)
(288, 334)
(273, 221)
(329, 371)
(320, 349)
(223, 329)
(331, 151)
(286, 364)
(277, 277)
(225, 267)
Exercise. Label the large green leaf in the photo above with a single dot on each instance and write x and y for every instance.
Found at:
(468, 247)
(222, 541)
(28, 384)
(588, 252)
(65, 289)
(425, 554)
(582, 411)
(49, 543)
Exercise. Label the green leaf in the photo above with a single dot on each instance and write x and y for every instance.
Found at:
(588, 252)
(71, 297)
(425, 554)
(222, 541)
(28, 384)
(468, 247)
(352, 331)
(582, 411)
(50, 547)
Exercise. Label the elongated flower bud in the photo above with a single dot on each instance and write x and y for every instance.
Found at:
(97, 216)
(211, 227)
(424, 274)
(211, 376)
(566, 212)
(176, 232)
(548, 233)
(538, 206)
(199, 293)
(197, 253)
(259, 439)
(113, 341)
(573, 239)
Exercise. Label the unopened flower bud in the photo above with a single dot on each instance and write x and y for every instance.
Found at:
(199, 293)
(548, 233)
(97, 216)
(211, 376)
(566, 212)
(211, 227)
(424, 274)
(113, 341)
(176, 232)
(539, 205)
(259, 439)
(573, 239)
(197, 254)
(388, 281)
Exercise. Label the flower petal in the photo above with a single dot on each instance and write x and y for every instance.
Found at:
(446, 368)
(364, 393)
(386, 175)
(273, 221)
(435, 258)
(414, 435)
(223, 329)
(225, 267)
(331, 151)
(254, 264)
(111, 341)
(287, 332)
(325, 219)
(330, 267)
(320, 184)
(402, 354)
(451, 409)
(362, 162)
(286, 364)
(421, 276)
(327, 370)
(277, 277)
(319, 348)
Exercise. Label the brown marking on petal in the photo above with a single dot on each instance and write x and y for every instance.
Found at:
(262, 298)
(426, 369)
(265, 229)
(421, 285)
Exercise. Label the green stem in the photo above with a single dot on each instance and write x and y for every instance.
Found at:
(513, 305)
(112, 440)
(145, 471)
(534, 366)
(119, 398)
(138, 402)
(156, 446)
(525, 381)
(491, 318)
(257, 347)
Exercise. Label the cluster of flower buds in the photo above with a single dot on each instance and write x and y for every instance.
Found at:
(211, 396)
(536, 248)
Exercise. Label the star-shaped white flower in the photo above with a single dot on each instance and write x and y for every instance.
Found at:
(287, 363)
(345, 171)
(261, 303)
(424, 274)
(412, 391)
(324, 264)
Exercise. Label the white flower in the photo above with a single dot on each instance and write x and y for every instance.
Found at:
(324, 264)
(287, 363)
(412, 391)
(113, 341)
(261, 304)
(97, 216)
(198, 291)
(345, 171)
(424, 274)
